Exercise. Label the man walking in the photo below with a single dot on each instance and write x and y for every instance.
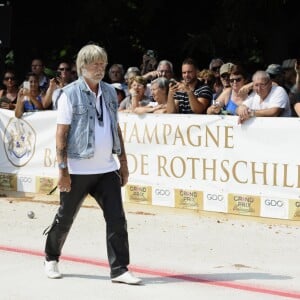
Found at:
(87, 138)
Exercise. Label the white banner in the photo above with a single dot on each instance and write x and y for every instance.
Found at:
(191, 161)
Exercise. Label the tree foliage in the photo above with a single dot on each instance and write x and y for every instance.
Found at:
(253, 32)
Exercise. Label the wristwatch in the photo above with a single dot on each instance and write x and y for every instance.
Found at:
(62, 165)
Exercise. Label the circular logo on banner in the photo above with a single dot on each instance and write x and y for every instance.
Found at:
(19, 142)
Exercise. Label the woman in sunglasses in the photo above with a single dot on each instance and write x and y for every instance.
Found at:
(230, 98)
(9, 94)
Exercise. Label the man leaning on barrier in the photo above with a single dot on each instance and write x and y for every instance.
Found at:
(266, 100)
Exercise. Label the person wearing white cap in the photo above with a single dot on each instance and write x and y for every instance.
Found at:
(120, 91)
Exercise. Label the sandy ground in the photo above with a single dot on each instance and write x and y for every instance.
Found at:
(178, 254)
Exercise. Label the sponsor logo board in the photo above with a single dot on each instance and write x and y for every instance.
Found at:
(294, 209)
(273, 207)
(244, 204)
(8, 182)
(214, 201)
(45, 185)
(138, 193)
(163, 196)
(26, 183)
(190, 199)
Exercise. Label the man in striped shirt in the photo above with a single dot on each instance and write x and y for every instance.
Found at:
(190, 96)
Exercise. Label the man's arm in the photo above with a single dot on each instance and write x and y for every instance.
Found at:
(198, 105)
(124, 173)
(172, 105)
(200, 101)
(297, 108)
(19, 110)
(64, 180)
(269, 112)
(47, 99)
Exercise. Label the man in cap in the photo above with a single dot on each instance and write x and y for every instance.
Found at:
(225, 71)
(275, 72)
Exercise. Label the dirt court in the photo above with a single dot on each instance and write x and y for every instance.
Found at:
(178, 254)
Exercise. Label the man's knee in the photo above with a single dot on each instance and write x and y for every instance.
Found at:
(60, 223)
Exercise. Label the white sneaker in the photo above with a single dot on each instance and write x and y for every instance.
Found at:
(127, 278)
(51, 269)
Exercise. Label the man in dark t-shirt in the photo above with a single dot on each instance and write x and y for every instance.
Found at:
(190, 95)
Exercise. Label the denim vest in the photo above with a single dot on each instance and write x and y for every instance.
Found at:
(81, 138)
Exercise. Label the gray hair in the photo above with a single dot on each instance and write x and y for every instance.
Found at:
(162, 83)
(132, 71)
(215, 61)
(261, 75)
(165, 62)
(119, 66)
(89, 54)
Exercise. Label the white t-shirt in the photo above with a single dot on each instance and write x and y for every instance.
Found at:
(277, 97)
(103, 160)
(55, 97)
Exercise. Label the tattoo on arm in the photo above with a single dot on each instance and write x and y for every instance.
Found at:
(61, 143)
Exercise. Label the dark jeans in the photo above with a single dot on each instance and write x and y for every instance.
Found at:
(106, 190)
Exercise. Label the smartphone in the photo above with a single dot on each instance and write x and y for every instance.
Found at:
(26, 85)
(215, 102)
(150, 53)
(57, 74)
(172, 82)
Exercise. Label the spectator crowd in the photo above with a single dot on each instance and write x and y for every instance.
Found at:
(222, 87)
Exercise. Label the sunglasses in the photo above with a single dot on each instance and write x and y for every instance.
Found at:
(64, 69)
(9, 78)
(215, 69)
(225, 76)
(238, 79)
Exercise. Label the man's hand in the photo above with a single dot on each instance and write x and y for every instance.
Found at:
(124, 173)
